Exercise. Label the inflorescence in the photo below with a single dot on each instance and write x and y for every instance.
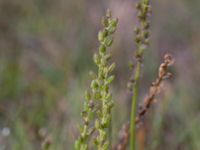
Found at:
(99, 100)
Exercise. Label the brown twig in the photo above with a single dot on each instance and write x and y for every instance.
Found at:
(123, 138)
(143, 109)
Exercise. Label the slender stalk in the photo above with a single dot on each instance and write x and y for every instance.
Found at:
(134, 106)
(142, 41)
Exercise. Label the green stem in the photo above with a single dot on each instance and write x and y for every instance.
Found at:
(133, 108)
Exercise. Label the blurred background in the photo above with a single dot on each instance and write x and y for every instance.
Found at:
(46, 49)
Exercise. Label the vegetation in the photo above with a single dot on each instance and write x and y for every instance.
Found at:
(46, 50)
(99, 104)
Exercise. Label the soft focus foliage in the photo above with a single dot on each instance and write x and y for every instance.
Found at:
(46, 49)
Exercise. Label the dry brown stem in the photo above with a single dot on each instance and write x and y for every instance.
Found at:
(143, 109)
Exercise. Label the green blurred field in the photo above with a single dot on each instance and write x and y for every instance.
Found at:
(46, 49)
